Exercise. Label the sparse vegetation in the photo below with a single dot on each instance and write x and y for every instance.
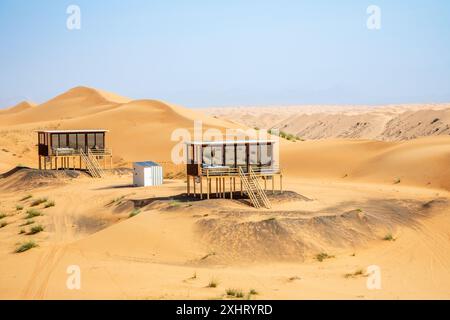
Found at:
(253, 292)
(175, 203)
(3, 224)
(116, 200)
(27, 223)
(37, 202)
(22, 231)
(234, 293)
(355, 274)
(31, 213)
(213, 283)
(397, 181)
(2, 215)
(290, 279)
(194, 276)
(19, 207)
(135, 212)
(389, 237)
(29, 196)
(49, 204)
(322, 256)
(26, 246)
(36, 229)
(284, 135)
(208, 255)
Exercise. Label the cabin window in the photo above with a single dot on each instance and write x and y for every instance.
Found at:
(99, 140)
(253, 154)
(63, 140)
(217, 155)
(207, 155)
(229, 155)
(55, 141)
(241, 158)
(91, 140)
(73, 141)
(81, 140)
(265, 152)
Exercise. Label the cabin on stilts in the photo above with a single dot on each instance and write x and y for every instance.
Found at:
(74, 149)
(221, 169)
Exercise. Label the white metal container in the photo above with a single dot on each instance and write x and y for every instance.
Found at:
(147, 173)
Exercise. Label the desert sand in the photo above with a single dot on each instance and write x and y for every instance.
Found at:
(350, 201)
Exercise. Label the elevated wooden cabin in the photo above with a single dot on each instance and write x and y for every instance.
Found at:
(230, 164)
(74, 149)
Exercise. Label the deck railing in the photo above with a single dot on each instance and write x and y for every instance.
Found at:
(74, 152)
(233, 171)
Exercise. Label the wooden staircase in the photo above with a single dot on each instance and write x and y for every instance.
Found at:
(251, 185)
(92, 165)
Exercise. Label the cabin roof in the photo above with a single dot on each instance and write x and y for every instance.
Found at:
(73, 131)
(224, 142)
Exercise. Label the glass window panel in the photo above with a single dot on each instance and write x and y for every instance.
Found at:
(91, 140)
(207, 158)
(99, 140)
(229, 155)
(55, 141)
(63, 140)
(81, 140)
(217, 155)
(241, 155)
(253, 154)
(266, 154)
(73, 141)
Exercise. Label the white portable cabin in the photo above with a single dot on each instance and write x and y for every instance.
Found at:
(147, 173)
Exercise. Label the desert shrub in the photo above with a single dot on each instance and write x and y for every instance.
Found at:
(2, 215)
(27, 223)
(49, 204)
(389, 237)
(29, 196)
(322, 256)
(26, 246)
(213, 283)
(19, 207)
(3, 224)
(31, 213)
(135, 212)
(36, 229)
(38, 202)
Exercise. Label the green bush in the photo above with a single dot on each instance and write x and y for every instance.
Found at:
(26, 246)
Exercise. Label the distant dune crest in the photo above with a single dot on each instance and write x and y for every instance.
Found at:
(402, 122)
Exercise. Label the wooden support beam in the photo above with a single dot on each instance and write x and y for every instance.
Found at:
(201, 188)
(281, 183)
(273, 185)
(188, 189)
(231, 188)
(195, 195)
(208, 187)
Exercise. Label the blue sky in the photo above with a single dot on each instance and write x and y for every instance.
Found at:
(234, 52)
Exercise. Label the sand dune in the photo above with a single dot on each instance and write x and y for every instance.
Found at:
(324, 122)
(344, 195)
(22, 106)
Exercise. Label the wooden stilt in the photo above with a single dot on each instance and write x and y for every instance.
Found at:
(281, 183)
(224, 188)
(193, 178)
(231, 188)
(265, 183)
(273, 185)
(201, 188)
(188, 186)
(217, 194)
(208, 187)
(40, 166)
